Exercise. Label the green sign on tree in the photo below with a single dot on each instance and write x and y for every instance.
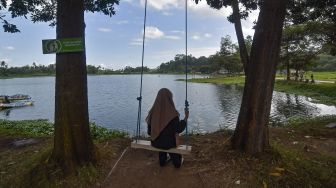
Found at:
(52, 46)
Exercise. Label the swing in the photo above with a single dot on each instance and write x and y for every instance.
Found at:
(145, 144)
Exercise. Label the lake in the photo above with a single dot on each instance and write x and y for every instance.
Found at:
(113, 104)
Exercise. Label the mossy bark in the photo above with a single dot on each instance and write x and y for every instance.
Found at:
(240, 36)
(251, 133)
(73, 145)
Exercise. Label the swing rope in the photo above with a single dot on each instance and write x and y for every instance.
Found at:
(138, 130)
(186, 108)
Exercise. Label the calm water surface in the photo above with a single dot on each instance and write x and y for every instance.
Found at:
(113, 104)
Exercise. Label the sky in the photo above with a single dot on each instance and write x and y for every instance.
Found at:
(115, 42)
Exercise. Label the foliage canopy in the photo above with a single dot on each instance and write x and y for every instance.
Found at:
(45, 10)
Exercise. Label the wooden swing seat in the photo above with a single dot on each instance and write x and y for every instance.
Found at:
(145, 144)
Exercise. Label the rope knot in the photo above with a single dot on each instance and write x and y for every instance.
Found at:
(139, 98)
(186, 105)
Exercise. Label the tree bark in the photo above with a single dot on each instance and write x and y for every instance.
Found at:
(251, 133)
(287, 61)
(73, 145)
(288, 69)
(240, 36)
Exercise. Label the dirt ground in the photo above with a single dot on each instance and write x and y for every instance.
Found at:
(211, 164)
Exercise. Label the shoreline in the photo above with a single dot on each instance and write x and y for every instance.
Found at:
(320, 92)
(298, 156)
(53, 75)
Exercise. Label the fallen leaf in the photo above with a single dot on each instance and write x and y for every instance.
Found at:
(279, 169)
(277, 174)
(264, 184)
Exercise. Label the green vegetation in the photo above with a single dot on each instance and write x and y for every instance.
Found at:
(319, 76)
(102, 133)
(312, 126)
(227, 60)
(43, 128)
(50, 70)
(283, 165)
(33, 161)
(325, 63)
(240, 80)
(304, 168)
(325, 76)
(322, 92)
(33, 128)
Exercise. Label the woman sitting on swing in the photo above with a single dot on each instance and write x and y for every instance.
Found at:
(164, 125)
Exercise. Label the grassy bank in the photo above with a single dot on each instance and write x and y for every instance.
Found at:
(285, 164)
(305, 147)
(28, 166)
(326, 76)
(240, 80)
(10, 76)
(321, 92)
(322, 76)
(43, 128)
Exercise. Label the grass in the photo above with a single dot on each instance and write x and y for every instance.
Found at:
(313, 126)
(30, 166)
(240, 80)
(322, 92)
(303, 169)
(321, 76)
(43, 128)
(10, 76)
(327, 76)
(281, 166)
(31, 128)
(15, 165)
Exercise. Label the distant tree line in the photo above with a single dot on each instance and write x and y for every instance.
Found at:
(26, 70)
(45, 70)
(324, 63)
(226, 60)
(299, 51)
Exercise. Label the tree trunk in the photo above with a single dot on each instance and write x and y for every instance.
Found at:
(296, 74)
(251, 133)
(287, 60)
(240, 36)
(288, 69)
(73, 145)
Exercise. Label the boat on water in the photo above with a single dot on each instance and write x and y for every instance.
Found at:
(21, 103)
(15, 97)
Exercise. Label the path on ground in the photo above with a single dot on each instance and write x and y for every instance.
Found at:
(140, 168)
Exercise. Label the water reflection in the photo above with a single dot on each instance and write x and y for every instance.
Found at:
(113, 104)
(229, 97)
(7, 112)
(284, 106)
(287, 106)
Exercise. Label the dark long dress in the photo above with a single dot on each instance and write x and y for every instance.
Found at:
(167, 140)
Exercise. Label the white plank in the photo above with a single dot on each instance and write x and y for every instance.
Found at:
(145, 144)
(331, 125)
